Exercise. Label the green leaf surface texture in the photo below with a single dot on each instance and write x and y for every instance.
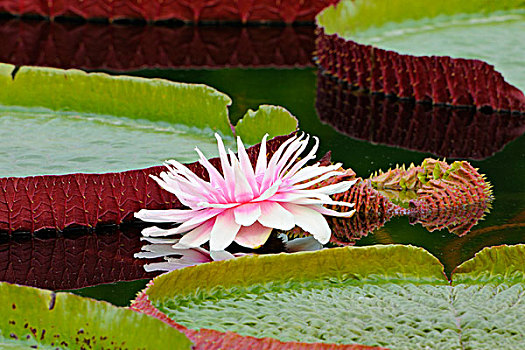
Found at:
(56, 121)
(474, 29)
(392, 296)
(267, 119)
(122, 96)
(36, 318)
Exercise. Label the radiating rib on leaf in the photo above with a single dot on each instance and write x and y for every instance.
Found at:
(354, 301)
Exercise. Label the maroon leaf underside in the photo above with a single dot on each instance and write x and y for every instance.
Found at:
(442, 130)
(87, 200)
(207, 339)
(68, 262)
(125, 47)
(436, 79)
(287, 11)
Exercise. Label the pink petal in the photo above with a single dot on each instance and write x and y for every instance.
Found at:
(253, 236)
(197, 236)
(247, 214)
(271, 172)
(246, 166)
(242, 191)
(224, 231)
(274, 215)
(326, 211)
(311, 221)
(197, 220)
(226, 169)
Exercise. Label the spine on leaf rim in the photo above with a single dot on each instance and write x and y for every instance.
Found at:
(436, 79)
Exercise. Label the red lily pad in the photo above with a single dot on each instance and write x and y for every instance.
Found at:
(438, 79)
(441, 130)
(184, 10)
(392, 295)
(126, 47)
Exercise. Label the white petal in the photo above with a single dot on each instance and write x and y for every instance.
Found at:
(247, 214)
(303, 244)
(218, 255)
(253, 236)
(246, 166)
(303, 161)
(224, 231)
(272, 172)
(260, 168)
(326, 211)
(274, 215)
(155, 251)
(159, 240)
(197, 236)
(170, 215)
(154, 231)
(227, 170)
(311, 221)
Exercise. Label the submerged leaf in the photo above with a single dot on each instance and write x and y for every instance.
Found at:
(393, 296)
(36, 318)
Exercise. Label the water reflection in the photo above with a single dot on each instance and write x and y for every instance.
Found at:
(130, 47)
(72, 260)
(440, 130)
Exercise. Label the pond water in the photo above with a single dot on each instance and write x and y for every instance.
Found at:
(376, 134)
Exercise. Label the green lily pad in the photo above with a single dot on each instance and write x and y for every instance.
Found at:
(392, 296)
(36, 318)
(56, 121)
(473, 29)
(267, 119)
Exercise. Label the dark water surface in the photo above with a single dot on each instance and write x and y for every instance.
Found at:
(374, 134)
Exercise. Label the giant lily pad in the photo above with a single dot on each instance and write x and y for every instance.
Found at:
(356, 39)
(104, 121)
(36, 318)
(392, 296)
(126, 48)
(186, 10)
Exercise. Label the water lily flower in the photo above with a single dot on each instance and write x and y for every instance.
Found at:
(244, 204)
